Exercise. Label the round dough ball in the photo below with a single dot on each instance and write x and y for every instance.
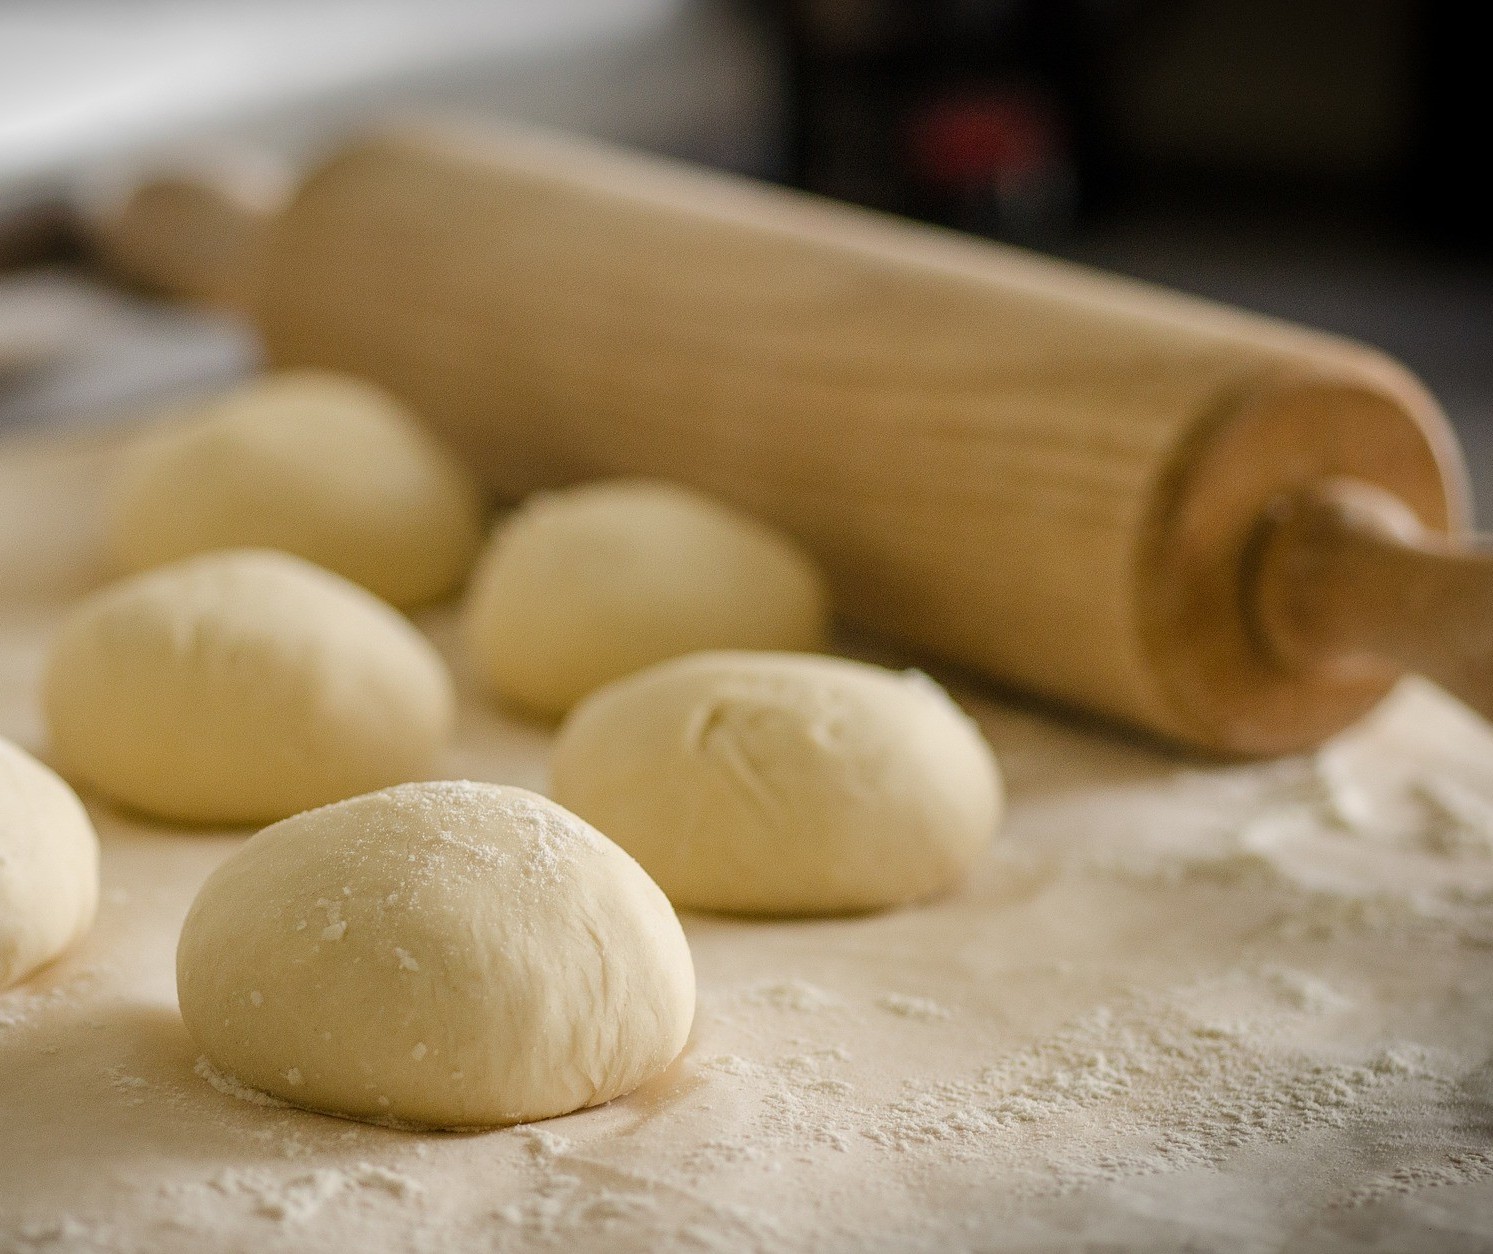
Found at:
(325, 467)
(581, 587)
(242, 686)
(48, 866)
(450, 955)
(781, 784)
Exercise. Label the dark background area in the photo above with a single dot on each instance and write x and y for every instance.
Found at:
(1317, 160)
(1020, 117)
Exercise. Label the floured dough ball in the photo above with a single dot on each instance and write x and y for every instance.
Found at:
(48, 866)
(449, 955)
(782, 784)
(242, 686)
(581, 587)
(319, 465)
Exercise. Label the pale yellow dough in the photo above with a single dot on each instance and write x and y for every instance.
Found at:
(1179, 1005)
(782, 784)
(323, 466)
(48, 866)
(583, 586)
(444, 954)
(241, 687)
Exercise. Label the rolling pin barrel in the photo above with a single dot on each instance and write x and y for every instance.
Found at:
(1053, 476)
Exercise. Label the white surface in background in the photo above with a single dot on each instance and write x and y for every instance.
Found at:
(80, 80)
(93, 88)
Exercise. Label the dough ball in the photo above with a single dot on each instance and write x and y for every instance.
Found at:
(780, 784)
(242, 686)
(325, 467)
(581, 587)
(450, 955)
(48, 866)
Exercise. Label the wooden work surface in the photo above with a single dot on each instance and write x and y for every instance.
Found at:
(1176, 1007)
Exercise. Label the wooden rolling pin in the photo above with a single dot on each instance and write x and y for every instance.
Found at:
(1226, 530)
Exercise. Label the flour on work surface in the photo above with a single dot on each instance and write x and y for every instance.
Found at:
(797, 995)
(1150, 1083)
(1176, 1007)
(21, 1006)
(290, 1199)
(1145, 1085)
(230, 1086)
(914, 1007)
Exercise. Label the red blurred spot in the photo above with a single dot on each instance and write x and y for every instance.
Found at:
(975, 138)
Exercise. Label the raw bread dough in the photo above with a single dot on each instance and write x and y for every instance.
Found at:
(583, 586)
(782, 784)
(445, 954)
(240, 687)
(48, 866)
(1218, 1007)
(323, 466)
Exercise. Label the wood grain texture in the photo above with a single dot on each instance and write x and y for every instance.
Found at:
(196, 233)
(1350, 583)
(996, 456)
(1205, 643)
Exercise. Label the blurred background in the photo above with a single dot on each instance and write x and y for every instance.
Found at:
(1314, 159)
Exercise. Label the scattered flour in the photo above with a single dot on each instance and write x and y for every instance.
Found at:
(230, 1086)
(1464, 1165)
(1304, 992)
(64, 1233)
(1340, 800)
(1133, 1090)
(914, 1007)
(797, 995)
(1478, 1083)
(19, 1006)
(1150, 1084)
(296, 1199)
(592, 1203)
(1346, 846)
(801, 1103)
(1458, 821)
(544, 1146)
(133, 1087)
(1335, 915)
(1096, 1068)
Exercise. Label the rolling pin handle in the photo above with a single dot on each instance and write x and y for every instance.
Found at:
(194, 231)
(1349, 581)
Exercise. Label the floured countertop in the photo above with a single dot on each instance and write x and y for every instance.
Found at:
(1241, 1008)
